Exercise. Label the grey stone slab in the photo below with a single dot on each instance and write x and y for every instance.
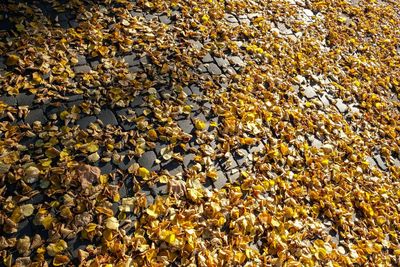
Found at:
(186, 125)
(233, 175)
(202, 68)
(24, 99)
(165, 19)
(236, 60)
(149, 200)
(82, 69)
(173, 167)
(147, 159)
(309, 92)
(380, 162)
(244, 19)
(131, 60)
(126, 163)
(138, 101)
(137, 13)
(371, 161)
(107, 117)
(256, 148)
(94, 64)
(9, 100)
(316, 143)
(85, 121)
(230, 18)
(150, 16)
(241, 156)
(35, 115)
(75, 98)
(221, 180)
(283, 29)
(222, 62)
(106, 167)
(396, 162)
(228, 162)
(188, 160)
(207, 58)
(135, 69)
(196, 44)
(81, 60)
(159, 189)
(214, 69)
(342, 107)
(325, 100)
(196, 89)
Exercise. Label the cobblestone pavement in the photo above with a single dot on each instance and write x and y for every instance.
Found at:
(120, 118)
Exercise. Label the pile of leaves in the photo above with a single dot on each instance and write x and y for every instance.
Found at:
(294, 204)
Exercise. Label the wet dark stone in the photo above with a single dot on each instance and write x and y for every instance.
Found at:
(147, 159)
(35, 115)
(106, 167)
(159, 189)
(107, 117)
(85, 121)
(9, 100)
(24, 99)
(196, 89)
(126, 163)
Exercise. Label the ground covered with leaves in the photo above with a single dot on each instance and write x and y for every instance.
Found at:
(200, 133)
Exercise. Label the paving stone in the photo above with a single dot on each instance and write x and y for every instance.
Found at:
(221, 180)
(256, 148)
(73, 23)
(196, 44)
(309, 92)
(106, 167)
(325, 100)
(241, 156)
(147, 159)
(228, 162)
(196, 89)
(371, 161)
(213, 69)
(316, 143)
(24, 99)
(186, 125)
(380, 162)
(137, 13)
(396, 162)
(308, 12)
(230, 18)
(150, 16)
(244, 19)
(341, 106)
(149, 200)
(107, 117)
(165, 19)
(75, 98)
(222, 62)
(126, 163)
(173, 167)
(135, 69)
(81, 60)
(131, 60)
(233, 175)
(35, 115)
(188, 160)
(202, 68)
(207, 58)
(283, 29)
(237, 61)
(82, 69)
(85, 121)
(9, 100)
(159, 189)
(94, 64)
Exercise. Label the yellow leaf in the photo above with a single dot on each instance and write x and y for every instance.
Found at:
(200, 125)
(144, 173)
(12, 60)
